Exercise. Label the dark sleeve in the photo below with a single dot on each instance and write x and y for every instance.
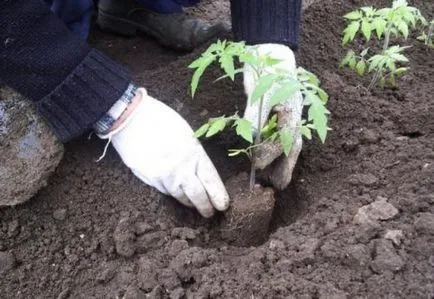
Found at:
(266, 21)
(71, 84)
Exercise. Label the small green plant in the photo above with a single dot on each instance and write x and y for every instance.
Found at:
(369, 22)
(427, 35)
(270, 78)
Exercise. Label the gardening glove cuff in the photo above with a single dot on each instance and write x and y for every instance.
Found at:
(103, 125)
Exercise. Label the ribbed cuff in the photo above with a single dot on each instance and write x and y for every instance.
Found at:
(266, 21)
(84, 96)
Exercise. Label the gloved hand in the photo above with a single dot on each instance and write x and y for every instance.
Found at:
(158, 145)
(279, 167)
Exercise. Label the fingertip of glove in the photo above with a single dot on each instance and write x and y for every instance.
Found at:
(222, 204)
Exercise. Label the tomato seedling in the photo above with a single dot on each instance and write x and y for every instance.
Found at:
(278, 83)
(427, 35)
(397, 20)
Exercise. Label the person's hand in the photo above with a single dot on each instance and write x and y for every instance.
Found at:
(158, 145)
(278, 167)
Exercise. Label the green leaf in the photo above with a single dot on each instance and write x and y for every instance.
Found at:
(201, 131)
(360, 67)
(317, 113)
(399, 57)
(286, 139)
(403, 27)
(391, 65)
(352, 63)
(323, 95)
(200, 68)
(237, 71)
(216, 126)
(366, 29)
(346, 58)
(270, 61)
(392, 80)
(369, 11)
(401, 70)
(249, 58)
(244, 129)
(375, 62)
(364, 52)
(227, 63)
(284, 92)
(354, 15)
(312, 78)
(263, 85)
(382, 82)
(351, 30)
(380, 26)
(268, 130)
(306, 132)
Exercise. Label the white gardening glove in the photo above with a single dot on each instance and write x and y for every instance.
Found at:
(280, 171)
(158, 145)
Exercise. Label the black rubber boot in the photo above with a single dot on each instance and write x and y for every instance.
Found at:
(174, 30)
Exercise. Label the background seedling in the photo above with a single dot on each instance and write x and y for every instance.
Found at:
(370, 22)
(427, 35)
(270, 78)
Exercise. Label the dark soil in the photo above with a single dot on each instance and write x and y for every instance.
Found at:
(249, 214)
(97, 232)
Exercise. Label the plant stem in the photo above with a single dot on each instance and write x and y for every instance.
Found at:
(256, 142)
(385, 47)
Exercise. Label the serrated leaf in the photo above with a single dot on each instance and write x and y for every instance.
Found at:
(391, 65)
(262, 86)
(352, 29)
(380, 26)
(375, 62)
(360, 67)
(244, 129)
(317, 113)
(199, 72)
(286, 140)
(354, 15)
(216, 126)
(201, 131)
(399, 57)
(227, 64)
(249, 58)
(366, 29)
(284, 93)
(403, 27)
(306, 132)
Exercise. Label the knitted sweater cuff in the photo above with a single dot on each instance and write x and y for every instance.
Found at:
(266, 21)
(84, 96)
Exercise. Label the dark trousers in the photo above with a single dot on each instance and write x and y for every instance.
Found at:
(77, 14)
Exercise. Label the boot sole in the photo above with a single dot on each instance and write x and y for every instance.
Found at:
(125, 27)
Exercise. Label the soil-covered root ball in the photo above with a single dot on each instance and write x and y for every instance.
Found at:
(248, 218)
